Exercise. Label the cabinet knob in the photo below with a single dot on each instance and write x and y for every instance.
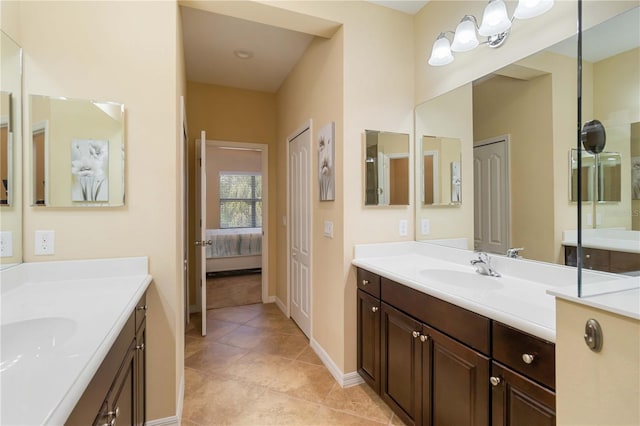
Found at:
(365, 282)
(424, 338)
(141, 308)
(416, 334)
(140, 347)
(588, 256)
(114, 413)
(374, 309)
(495, 380)
(528, 358)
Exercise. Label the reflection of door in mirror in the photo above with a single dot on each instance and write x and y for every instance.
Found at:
(371, 173)
(441, 173)
(609, 176)
(635, 176)
(399, 180)
(5, 148)
(39, 176)
(587, 176)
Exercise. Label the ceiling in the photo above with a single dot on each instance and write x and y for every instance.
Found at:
(211, 39)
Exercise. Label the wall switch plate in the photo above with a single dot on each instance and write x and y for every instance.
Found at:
(328, 229)
(589, 219)
(404, 226)
(598, 219)
(6, 244)
(425, 226)
(44, 243)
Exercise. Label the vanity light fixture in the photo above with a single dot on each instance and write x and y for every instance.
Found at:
(495, 26)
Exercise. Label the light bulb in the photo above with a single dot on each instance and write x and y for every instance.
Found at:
(441, 52)
(531, 8)
(465, 38)
(495, 19)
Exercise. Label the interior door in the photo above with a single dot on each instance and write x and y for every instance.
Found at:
(201, 226)
(300, 229)
(491, 197)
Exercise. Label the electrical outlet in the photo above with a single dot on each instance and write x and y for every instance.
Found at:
(425, 226)
(328, 229)
(45, 243)
(404, 228)
(6, 244)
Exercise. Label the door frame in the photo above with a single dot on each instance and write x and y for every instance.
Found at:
(493, 140)
(264, 166)
(308, 125)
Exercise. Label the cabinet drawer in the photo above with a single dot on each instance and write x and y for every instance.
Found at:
(466, 326)
(595, 259)
(624, 262)
(369, 282)
(510, 347)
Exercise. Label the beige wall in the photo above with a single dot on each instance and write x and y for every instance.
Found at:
(233, 115)
(125, 52)
(596, 388)
(522, 109)
(434, 118)
(616, 92)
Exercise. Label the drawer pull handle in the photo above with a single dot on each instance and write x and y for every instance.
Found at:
(495, 380)
(424, 338)
(415, 334)
(528, 358)
(365, 282)
(374, 309)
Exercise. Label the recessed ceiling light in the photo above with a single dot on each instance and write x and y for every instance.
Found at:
(243, 54)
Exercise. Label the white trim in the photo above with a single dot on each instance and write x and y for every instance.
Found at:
(280, 304)
(167, 421)
(269, 299)
(264, 166)
(194, 308)
(344, 380)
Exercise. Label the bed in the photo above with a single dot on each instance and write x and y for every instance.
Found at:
(234, 249)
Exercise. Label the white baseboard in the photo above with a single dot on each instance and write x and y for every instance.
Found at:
(269, 299)
(167, 421)
(180, 397)
(281, 305)
(193, 309)
(345, 380)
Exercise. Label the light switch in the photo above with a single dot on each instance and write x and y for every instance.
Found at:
(404, 225)
(328, 229)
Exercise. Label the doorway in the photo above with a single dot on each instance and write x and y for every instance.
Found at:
(299, 230)
(492, 205)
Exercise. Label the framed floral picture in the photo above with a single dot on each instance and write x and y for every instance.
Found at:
(89, 170)
(326, 162)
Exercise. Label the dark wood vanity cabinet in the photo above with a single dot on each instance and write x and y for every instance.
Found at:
(441, 365)
(603, 260)
(117, 393)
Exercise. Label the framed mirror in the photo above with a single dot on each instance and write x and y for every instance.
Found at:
(77, 152)
(10, 151)
(441, 171)
(386, 169)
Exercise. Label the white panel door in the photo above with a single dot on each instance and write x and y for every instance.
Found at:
(201, 226)
(491, 197)
(300, 229)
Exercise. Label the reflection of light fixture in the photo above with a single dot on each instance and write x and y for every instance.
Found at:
(495, 26)
(243, 54)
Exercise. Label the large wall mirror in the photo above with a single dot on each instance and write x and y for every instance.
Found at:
(77, 149)
(10, 151)
(386, 168)
(519, 122)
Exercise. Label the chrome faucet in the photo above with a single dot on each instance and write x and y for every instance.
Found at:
(483, 265)
(514, 253)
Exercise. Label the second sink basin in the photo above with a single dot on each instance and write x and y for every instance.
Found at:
(24, 341)
(461, 279)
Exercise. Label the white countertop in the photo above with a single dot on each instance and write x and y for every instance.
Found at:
(605, 239)
(78, 308)
(519, 298)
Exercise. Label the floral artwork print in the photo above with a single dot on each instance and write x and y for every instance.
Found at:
(326, 168)
(89, 170)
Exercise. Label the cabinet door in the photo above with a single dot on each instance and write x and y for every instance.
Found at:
(121, 398)
(458, 380)
(401, 364)
(369, 339)
(518, 401)
(140, 376)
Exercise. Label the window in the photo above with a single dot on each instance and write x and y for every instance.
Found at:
(240, 200)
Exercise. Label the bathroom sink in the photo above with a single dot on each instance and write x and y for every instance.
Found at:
(461, 279)
(24, 341)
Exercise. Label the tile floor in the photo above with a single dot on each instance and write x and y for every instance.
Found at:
(233, 290)
(255, 367)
